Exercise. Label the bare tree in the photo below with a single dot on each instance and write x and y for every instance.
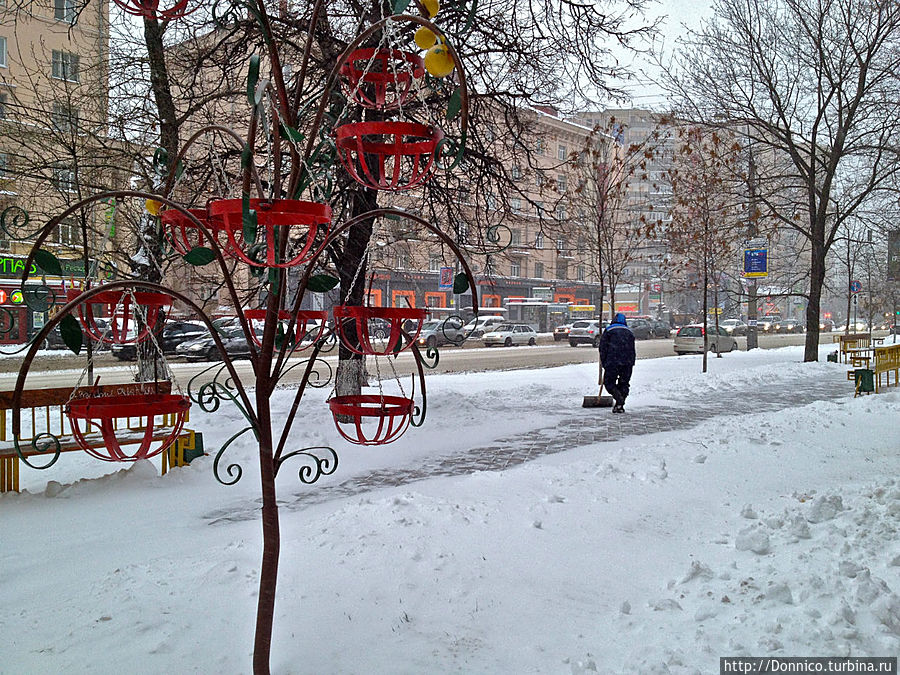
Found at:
(814, 83)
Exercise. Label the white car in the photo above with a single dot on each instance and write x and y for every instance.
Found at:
(481, 325)
(689, 340)
(509, 334)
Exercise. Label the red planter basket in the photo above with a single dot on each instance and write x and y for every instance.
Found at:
(309, 217)
(128, 420)
(119, 313)
(388, 155)
(397, 316)
(381, 78)
(303, 326)
(390, 414)
(183, 234)
(151, 10)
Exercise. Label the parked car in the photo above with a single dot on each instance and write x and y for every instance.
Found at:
(734, 327)
(826, 325)
(173, 334)
(438, 333)
(54, 338)
(204, 348)
(481, 325)
(660, 329)
(561, 333)
(509, 334)
(789, 326)
(689, 340)
(585, 332)
(641, 328)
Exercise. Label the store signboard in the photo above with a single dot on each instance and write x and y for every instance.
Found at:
(756, 262)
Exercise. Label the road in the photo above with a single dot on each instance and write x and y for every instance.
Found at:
(59, 369)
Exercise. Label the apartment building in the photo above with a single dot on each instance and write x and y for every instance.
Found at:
(54, 145)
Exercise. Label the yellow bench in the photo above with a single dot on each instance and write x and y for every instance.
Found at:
(852, 343)
(887, 361)
(42, 411)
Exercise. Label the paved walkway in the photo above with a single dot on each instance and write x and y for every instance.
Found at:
(577, 428)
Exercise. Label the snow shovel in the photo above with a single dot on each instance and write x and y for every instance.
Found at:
(599, 401)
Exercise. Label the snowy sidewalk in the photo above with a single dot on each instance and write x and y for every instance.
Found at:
(578, 427)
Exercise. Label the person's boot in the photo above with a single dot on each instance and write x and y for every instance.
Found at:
(618, 408)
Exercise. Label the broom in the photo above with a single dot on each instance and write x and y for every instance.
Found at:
(599, 401)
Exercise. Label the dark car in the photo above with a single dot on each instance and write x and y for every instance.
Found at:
(54, 338)
(826, 325)
(789, 326)
(660, 329)
(641, 328)
(205, 349)
(173, 334)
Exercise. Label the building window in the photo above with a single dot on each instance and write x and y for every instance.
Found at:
(562, 184)
(539, 146)
(2, 52)
(63, 178)
(490, 201)
(488, 268)
(64, 10)
(581, 273)
(68, 233)
(539, 240)
(539, 208)
(515, 172)
(538, 270)
(560, 244)
(462, 233)
(515, 238)
(515, 268)
(435, 263)
(4, 165)
(64, 118)
(561, 211)
(65, 66)
(402, 261)
(515, 204)
(3, 100)
(561, 269)
(562, 152)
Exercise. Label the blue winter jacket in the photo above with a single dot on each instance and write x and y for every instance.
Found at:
(617, 344)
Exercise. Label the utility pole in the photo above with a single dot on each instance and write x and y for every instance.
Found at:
(752, 231)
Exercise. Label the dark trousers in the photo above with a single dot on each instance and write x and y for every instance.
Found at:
(616, 380)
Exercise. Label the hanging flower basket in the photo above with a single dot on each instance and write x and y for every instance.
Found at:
(150, 9)
(306, 219)
(126, 420)
(398, 317)
(118, 311)
(309, 324)
(388, 155)
(381, 78)
(390, 417)
(183, 234)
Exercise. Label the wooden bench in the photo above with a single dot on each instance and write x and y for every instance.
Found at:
(42, 411)
(852, 343)
(887, 361)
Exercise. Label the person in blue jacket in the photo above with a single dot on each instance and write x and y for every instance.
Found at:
(617, 357)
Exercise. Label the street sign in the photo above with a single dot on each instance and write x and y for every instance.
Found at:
(756, 263)
(855, 286)
(446, 278)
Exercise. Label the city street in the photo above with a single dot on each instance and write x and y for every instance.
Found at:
(55, 369)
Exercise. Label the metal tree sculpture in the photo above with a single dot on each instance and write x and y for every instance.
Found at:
(271, 234)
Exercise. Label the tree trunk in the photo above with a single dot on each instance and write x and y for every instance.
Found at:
(816, 283)
(268, 577)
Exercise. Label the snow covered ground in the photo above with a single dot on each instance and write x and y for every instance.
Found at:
(769, 533)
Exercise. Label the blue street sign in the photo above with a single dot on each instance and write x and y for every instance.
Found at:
(855, 286)
(756, 262)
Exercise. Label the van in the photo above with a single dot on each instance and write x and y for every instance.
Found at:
(478, 326)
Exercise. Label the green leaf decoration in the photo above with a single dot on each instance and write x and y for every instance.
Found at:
(454, 105)
(320, 283)
(199, 256)
(252, 79)
(400, 6)
(48, 262)
(70, 332)
(250, 221)
(292, 134)
(460, 283)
